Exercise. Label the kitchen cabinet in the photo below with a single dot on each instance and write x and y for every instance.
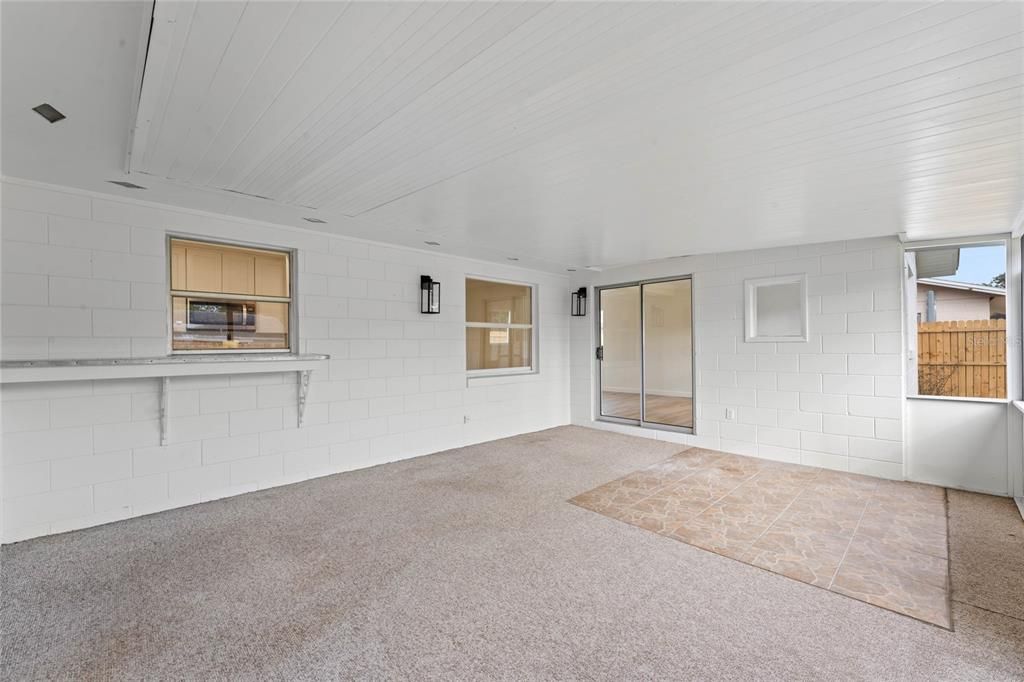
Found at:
(237, 272)
(178, 267)
(272, 275)
(203, 269)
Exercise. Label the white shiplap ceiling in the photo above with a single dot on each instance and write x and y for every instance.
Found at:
(575, 134)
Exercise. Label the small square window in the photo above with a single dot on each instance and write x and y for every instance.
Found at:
(776, 309)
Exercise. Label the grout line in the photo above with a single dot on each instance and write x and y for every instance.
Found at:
(852, 536)
(776, 519)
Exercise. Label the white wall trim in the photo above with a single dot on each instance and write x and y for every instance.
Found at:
(1015, 364)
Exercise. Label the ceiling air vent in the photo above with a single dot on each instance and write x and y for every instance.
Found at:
(125, 183)
(246, 194)
(315, 220)
(49, 112)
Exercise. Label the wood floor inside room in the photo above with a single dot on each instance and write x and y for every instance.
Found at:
(660, 409)
(472, 564)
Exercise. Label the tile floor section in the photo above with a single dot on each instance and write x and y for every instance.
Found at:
(882, 542)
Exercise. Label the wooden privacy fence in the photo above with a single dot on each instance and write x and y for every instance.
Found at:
(965, 358)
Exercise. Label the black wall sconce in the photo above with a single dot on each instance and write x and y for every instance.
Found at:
(579, 302)
(430, 295)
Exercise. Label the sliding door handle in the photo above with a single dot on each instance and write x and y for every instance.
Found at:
(600, 353)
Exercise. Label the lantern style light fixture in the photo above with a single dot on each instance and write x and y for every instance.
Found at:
(430, 296)
(579, 302)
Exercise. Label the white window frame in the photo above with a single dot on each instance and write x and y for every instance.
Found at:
(291, 300)
(534, 336)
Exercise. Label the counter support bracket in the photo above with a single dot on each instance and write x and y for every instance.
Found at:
(303, 379)
(165, 389)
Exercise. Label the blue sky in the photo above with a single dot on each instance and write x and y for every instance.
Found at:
(979, 264)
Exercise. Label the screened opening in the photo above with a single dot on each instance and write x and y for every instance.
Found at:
(959, 294)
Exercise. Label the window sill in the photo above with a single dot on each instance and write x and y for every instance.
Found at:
(959, 399)
(232, 352)
(488, 376)
(28, 371)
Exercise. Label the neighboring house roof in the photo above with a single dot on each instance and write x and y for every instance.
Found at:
(980, 288)
(937, 262)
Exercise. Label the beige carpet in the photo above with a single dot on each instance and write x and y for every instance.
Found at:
(465, 564)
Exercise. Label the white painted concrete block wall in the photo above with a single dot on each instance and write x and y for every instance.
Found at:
(85, 276)
(834, 401)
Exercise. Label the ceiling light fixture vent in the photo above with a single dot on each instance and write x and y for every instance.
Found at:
(315, 220)
(512, 258)
(125, 183)
(432, 243)
(48, 112)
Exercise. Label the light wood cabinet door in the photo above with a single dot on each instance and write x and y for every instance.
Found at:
(272, 275)
(178, 280)
(238, 273)
(203, 269)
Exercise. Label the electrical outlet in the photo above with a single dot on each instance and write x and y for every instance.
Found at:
(730, 414)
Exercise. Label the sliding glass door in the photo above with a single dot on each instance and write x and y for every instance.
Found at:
(668, 353)
(645, 353)
(620, 342)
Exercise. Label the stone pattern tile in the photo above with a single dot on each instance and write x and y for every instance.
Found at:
(882, 542)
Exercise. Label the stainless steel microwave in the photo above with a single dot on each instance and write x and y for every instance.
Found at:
(221, 315)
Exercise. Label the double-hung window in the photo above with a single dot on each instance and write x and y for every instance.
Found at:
(229, 298)
(499, 326)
